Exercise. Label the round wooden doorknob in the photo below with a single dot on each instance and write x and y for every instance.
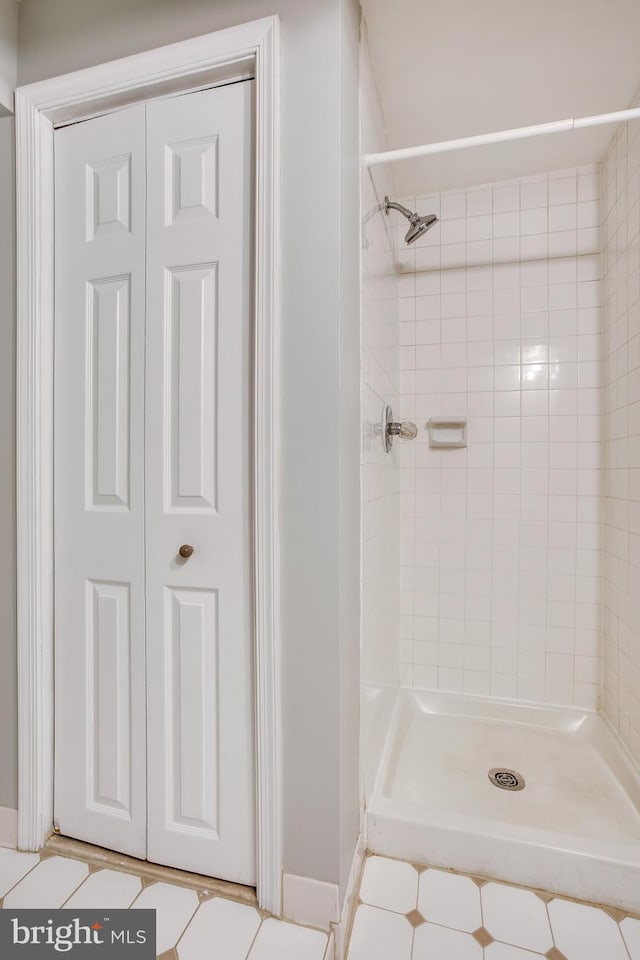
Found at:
(185, 550)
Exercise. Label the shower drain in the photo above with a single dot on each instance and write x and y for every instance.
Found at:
(506, 779)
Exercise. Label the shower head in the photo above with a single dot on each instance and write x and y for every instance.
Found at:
(418, 224)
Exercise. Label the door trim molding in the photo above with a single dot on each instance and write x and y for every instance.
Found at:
(203, 61)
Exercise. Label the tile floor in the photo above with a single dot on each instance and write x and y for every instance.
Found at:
(420, 913)
(191, 925)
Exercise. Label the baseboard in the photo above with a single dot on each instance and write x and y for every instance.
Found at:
(311, 902)
(8, 827)
(317, 904)
(343, 928)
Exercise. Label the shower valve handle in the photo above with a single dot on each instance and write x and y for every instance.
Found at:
(391, 428)
(405, 430)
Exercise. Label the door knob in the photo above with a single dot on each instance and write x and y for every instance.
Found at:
(185, 551)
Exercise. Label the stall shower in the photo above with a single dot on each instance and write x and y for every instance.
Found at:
(501, 694)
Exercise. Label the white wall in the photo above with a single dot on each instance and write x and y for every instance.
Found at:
(8, 720)
(319, 509)
(380, 471)
(8, 54)
(621, 269)
(500, 323)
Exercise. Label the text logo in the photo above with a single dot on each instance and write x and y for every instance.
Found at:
(78, 934)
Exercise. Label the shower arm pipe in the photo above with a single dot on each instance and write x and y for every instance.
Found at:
(500, 136)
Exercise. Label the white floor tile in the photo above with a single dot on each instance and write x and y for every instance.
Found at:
(450, 900)
(431, 942)
(516, 916)
(13, 867)
(380, 935)
(631, 933)
(174, 905)
(278, 940)
(585, 933)
(389, 884)
(503, 951)
(110, 889)
(49, 884)
(219, 927)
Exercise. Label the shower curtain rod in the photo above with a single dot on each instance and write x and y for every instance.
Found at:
(500, 136)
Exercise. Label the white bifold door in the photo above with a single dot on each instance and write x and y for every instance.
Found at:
(154, 746)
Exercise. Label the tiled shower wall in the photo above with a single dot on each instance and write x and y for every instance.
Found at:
(500, 542)
(380, 384)
(621, 271)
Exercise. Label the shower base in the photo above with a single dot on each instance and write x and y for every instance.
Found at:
(573, 829)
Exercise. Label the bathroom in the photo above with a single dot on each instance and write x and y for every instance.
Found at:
(420, 737)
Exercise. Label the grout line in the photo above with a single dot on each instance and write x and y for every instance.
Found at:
(253, 942)
(18, 882)
(188, 924)
(73, 892)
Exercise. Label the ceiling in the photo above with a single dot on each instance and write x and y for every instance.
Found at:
(455, 68)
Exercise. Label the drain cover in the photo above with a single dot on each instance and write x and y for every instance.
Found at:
(506, 779)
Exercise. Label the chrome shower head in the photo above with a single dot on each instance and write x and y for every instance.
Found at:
(419, 225)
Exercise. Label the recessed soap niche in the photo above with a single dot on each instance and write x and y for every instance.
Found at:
(447, 433)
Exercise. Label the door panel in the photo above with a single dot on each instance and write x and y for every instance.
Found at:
(192, 626)
(100, 724)
(198, 430)
(192, 387)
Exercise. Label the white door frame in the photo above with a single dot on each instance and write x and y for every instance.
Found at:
(251, 49)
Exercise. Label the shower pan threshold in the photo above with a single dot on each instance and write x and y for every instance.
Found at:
(574, 828)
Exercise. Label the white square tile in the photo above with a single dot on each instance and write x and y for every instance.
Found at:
(479, 202)
(432, 942)
(563, 190)
(390, 884)
(379, 935)
(220, 927)
(516, 916)
(277, 940)
(110, 889)
(49, 884)
(13, 867)
(533, 194)
(174, 908)
(585, 932)
(450, 900)
(506, 197)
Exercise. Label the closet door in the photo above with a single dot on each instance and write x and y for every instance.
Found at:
(198, 488)
(100, 737)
